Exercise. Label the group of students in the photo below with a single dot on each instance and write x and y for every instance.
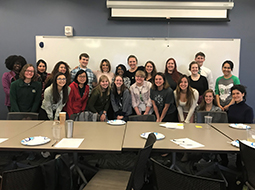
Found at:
(171, 96)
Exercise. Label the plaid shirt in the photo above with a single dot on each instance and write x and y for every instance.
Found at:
(90, 74)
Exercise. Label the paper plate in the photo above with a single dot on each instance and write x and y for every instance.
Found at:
(239, 126)
(116, 122)
(248, 143)
(37, 140)
(159, 136)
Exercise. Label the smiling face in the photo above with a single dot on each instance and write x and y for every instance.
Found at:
(132, 62)
(62, 68)
(84, 62)
(139, 80)
(81, 78)
(184, 84)
(29, 73)
(159, 81)
(120, 71)
(17, 67)
(209, 98)
(118, 81)
(194, 69)
(61, 80)
(237, 95)
(104, 84)
(200, 60)
(226, 69)
(170, 65)
(149, 68)
(105, 67)
(41, 67)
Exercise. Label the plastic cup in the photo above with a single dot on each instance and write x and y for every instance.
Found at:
(208, 119)
(56, 131)
(62, 118)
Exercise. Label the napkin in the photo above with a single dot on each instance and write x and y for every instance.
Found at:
(187, 143)
(3, 139)
(69, 143)
(172, 125)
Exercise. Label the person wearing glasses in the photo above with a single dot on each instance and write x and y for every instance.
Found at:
(79, 94)
(140, 93)
(55, 98)
(25, 93)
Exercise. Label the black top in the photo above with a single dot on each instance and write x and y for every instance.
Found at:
(201, 85)
(240, 113)
(131, 75)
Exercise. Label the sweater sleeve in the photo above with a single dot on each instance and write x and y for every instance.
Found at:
(13, 98)
(46, 104)
(92, 100)
(179, 108)
(6, 84)
(193, 106)
(114, 105)
(37, 99)
(249, 116)
(126, 101)
(69, 107)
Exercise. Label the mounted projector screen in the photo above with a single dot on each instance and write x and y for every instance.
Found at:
(158, 50)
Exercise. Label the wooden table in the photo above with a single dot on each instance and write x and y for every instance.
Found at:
(98, 137)
(213, 140)
(11, 128)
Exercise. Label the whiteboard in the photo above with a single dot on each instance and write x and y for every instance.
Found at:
(158, 50)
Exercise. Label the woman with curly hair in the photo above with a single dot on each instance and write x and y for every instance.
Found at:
(59, 67)
(13, 63)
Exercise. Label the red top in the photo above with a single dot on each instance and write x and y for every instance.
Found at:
(76, 103)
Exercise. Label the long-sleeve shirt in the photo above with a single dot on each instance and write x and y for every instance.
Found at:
(48, 104)
(25, 97)
(183, 108)
(98, 103)
(207, 73)
(76, 103)
(123, 105)
(141, 97)
(240, 113)
(6, 82)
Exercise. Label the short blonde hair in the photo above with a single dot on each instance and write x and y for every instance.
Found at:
(140, 74)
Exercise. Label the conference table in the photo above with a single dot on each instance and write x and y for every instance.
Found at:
(98, 136)
(212, 139)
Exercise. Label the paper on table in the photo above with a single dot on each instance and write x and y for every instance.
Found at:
(69, 143)
(172, 125)
(187, 143)
(3, 139)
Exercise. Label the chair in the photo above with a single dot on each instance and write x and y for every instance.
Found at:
(217, 116)
(118, 180)
(167, 178)
(248, 158)
(142, 118)
(29, 178)
(22, 116)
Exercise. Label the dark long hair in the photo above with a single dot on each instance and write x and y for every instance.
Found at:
(43, 75)
(189, 94)
(122, 88)
(79, 73)
(175, 75)
(154, 71)
(165, 84)
(55, 71)
(203, 103)
(56, 95)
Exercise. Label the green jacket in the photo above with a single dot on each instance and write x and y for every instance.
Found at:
(25, 97)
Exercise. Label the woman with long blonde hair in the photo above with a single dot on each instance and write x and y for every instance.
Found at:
(99, 100)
